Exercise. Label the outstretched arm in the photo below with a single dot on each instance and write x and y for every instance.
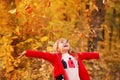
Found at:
(39, 54)
(89, 55)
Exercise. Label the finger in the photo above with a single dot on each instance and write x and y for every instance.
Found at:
(19, 56)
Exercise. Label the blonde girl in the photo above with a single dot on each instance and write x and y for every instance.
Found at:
(66, 65)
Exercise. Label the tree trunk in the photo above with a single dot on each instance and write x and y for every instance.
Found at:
(96, 19)
(119, 31)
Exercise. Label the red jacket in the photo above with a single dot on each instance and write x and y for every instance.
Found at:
(55, 60)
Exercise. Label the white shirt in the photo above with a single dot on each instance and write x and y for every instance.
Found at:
(70, 66)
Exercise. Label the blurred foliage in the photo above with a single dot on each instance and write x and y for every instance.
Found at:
(36, 24)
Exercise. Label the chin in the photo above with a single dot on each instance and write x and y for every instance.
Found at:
(66, 49)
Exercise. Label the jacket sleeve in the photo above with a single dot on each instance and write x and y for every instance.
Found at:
(89, 55)
(39, 54)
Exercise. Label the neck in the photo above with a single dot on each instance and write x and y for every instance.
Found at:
(64, 52)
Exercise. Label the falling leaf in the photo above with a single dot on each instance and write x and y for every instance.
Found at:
(12, 11)
(95, 7)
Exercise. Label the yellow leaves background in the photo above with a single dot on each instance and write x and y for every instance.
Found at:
(36, 24)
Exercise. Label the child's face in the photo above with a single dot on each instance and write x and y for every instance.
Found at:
(63, 46)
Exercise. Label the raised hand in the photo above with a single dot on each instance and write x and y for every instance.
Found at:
(21, 55)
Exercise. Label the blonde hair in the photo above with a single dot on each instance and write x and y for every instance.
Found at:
(55, 46)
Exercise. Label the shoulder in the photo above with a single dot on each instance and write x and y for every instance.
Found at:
(75, 54)
(58, 55)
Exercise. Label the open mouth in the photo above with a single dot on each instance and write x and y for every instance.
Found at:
(65, 45)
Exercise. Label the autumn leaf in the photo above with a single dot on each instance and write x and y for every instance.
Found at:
(12, 11)
(28, 9)
(45, 38)
(28, 40)
(9, 69)
(49, 48)
(18, 14)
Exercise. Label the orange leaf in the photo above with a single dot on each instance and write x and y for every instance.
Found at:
(17, 14)
(28, 10)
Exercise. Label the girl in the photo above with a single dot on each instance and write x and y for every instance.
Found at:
(67, 66)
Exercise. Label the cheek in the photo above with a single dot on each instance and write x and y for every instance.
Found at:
(60, 46)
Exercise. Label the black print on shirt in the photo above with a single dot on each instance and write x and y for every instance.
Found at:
(64, 64)
(70, 64)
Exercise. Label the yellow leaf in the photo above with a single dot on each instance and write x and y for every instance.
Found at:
(16, 63)
(9, 69)
(45, 38)
(17, 30)
(12, 11)
(29, 40)
(49, 49)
